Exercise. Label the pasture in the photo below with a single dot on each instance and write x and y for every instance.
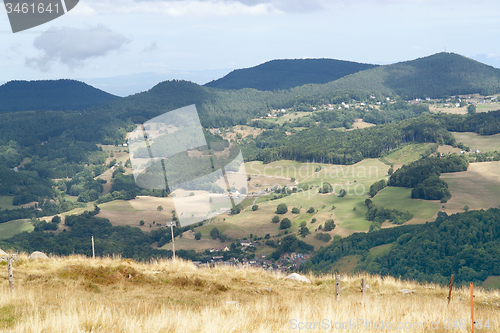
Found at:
(130, 213)
(11, 228)
(407, 154)
(478, 187)
(480, 142)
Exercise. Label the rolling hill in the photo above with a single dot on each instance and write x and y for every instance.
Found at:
(288, 73)
(435, 76)
(50, 95)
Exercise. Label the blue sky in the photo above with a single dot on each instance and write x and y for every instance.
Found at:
(113, 41)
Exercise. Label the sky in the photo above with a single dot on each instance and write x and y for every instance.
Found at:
(127, 46)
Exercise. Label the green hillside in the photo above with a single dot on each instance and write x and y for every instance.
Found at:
(288, 73)
(435, 76)
(439, 75)
(464, 244)
(50, 95)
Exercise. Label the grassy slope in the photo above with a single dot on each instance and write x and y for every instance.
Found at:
(480, 142)
(478, 187)
(76, 294)
(406, 154)
(11, 228)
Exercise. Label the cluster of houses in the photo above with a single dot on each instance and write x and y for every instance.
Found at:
(286, 262)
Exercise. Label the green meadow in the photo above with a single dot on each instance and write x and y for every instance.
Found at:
(11, 228)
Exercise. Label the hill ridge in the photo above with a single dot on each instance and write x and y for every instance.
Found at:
(288, 73)
(55, 95)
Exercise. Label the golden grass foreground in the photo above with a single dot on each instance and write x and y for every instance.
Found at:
(78, 294)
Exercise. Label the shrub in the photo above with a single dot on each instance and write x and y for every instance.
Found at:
(285, 223)
(295, 210)
(329, 225)
(310, 210)
(323, 237)
(197, 235)
(275, 219)
(214, 233)
(281, 209)
(255, 207)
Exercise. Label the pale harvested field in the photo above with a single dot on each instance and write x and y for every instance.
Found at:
(446, 149)
(243, 129)
(478, 187)
(77, 294)
(359, 123)
(129, 213)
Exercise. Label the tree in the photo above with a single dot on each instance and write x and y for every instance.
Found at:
(275, 219)
(342, 193)
(295, 210)
(285, 223)
(471, 109)
(255, 207)
(197, 235)
(141, 222)
(56, 219)
(329, 225)
(159, 208)
(281, 209)
(214, 233)
(323, 237)
(304, 231)
(310, 210)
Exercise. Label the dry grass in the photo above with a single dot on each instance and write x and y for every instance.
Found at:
(478, 187)
(77, 294)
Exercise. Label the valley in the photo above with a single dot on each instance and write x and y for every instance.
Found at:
(337, 173)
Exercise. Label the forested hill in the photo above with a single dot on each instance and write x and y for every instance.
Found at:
(288, 73)
(465, 244)
(50, 95)
(435, 76)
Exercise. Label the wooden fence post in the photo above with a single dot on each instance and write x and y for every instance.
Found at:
(472, 323)
(11, 274)
(337, 287)
(93, 249)
(451, 286)
(363, 287)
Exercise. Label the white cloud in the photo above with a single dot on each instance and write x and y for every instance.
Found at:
(72, 46)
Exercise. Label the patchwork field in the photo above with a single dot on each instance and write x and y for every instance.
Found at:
(480, 142)
(347, 212)
(478, 187)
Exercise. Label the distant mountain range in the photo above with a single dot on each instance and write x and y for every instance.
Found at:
(281, 83)
(288, 73)
(50, 95)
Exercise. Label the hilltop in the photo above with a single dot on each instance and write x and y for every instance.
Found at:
(435, 76)
(288, 73)
(75, 294)
(52, 95)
